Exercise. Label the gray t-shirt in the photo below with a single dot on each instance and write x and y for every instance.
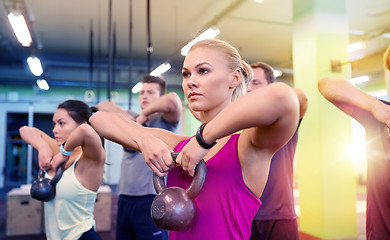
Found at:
(136, 177)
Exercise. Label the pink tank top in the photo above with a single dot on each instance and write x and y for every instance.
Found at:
(225, 206)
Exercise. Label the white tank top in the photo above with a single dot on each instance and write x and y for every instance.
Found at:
(70, 213)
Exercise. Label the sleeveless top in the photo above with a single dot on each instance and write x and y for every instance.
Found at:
(378, 183)
(70, 213)
(278, 198)
(136, 177)
(225, 206)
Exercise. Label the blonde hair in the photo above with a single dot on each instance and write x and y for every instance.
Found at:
(234, 62)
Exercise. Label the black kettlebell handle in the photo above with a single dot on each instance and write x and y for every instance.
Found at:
(196, 184)
(58, 175)
(44, 189)
(41, 174)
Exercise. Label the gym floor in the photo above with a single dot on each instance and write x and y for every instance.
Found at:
(110, 235)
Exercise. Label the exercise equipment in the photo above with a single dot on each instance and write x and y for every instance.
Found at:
(44, 189)
(89, 95)
(173, 208)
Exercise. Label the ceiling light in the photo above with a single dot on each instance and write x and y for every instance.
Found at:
(357, 80)
(386, 35)
(136, 88)
(355, 46)
(258, 1)
(277, 73)
(42, 84)
(161, 69)
(20, 28)
(35, 66)
(357, 32)
(208, 34)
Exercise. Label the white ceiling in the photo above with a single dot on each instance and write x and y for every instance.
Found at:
(261, 31)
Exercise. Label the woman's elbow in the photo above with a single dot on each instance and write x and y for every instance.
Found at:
(25, 130)
(287, 100)
(98, 117)
(323, 86)
(284, 94)
(98, 121)
(22, 129)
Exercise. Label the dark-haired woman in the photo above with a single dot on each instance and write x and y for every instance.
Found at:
(70, 214)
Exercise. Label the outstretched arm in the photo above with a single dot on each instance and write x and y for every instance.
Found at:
(169, 105)
(83, 136)
(45, 145)
(353, 101)
(108, 106)
(155, 144)
(268, 117)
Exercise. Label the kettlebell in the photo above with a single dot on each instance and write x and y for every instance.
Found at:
(173, 208)
(44, 189)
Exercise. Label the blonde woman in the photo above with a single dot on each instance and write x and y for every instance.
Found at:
(213, 76)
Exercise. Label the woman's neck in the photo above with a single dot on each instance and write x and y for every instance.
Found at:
(207, 116)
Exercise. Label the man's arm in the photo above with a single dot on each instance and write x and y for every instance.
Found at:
(303, 100)
(353, 101)
(108, 106)
(169, 105)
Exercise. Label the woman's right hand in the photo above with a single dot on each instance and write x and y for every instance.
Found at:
(44, 158)
(157, 155)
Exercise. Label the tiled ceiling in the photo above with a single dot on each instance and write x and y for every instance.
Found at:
(261, 31)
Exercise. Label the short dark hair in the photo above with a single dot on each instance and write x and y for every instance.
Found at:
(268, 70)
(156, 79)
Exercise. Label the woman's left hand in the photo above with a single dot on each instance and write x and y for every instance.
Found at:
(190, 156)
(57, 160)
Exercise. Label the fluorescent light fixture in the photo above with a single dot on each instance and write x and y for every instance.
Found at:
(137, 87)
(258, 1)
(161, 69)
(42, 84)
(208, 34)
(277, 73)
(35, 66)
(355, 46)
(20, 28)
(358, 80)
(357, 32)
(386, 35)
